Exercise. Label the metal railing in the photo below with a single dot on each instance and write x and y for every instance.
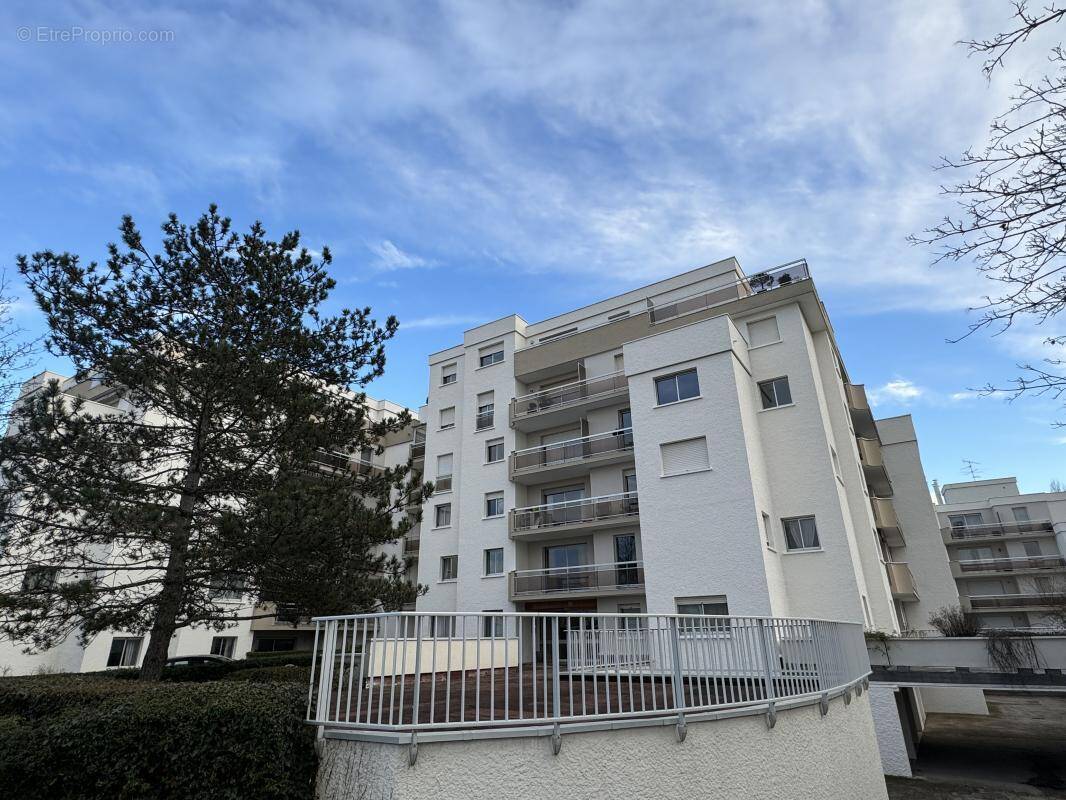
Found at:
(484, 420)
(625, 575)
(574, 512)
(442, 483)
(744, 287)
(571, 450)
(567, 394)
(1017, 600)
(1011, 564)
(376, 674)
(963, 532)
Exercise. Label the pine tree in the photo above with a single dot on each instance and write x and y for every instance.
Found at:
(207, 470)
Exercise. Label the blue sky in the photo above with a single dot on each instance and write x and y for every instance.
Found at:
(468, 160)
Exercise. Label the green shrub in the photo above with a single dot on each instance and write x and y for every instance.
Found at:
(71, 737)
(199, 673)
(282, 674)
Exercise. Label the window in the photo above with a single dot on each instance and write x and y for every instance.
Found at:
(485, 408)
(965, 520)
(444, 473)
(494, 504)
(625, 428)
(763, 331)
(775, 393)
(618, 315)
(447, 418)
(836, 463)
(632, 623)
(619, 362)
(492, 626)
(494, 451)
(449, 568)
(714, 606)
(490, 355)
(494, 561)
(275, 644)
(767, 530)
(449, 373)
(800, 533)
(689, 455)
(1032, 549)
(442, 515)
(1043, 585)
(223, 646)
(627, 572)
(39, 579)
(1021, 514)
(225, 587)
(672, 388)
(124, 652)
(440, 627)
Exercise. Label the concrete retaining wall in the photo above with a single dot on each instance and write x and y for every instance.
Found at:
(804, 755)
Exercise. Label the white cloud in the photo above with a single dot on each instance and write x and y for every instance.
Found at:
(961, 397)
(442, 321)
(897, 390)
(390, 257)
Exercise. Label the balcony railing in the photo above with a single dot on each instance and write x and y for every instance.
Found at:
(1041, 599)
(569, 394)
(996, 529)
(442, 483)
(484, 420)
(622, 576)
(1012, 564)
(901, 581)
(574, 512)
(571, 451)
(376, 676)
(744, 287)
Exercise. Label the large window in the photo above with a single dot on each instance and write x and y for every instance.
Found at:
(681, 386)
(442, 515)
(494, 561)
(775, 393)
(449, 568)
(491, 355)
(223, 646)
(800, 533)
(714, 606)
(965, 520)
(124, 651)
(494, 504)
(494, 451)
(275, 644)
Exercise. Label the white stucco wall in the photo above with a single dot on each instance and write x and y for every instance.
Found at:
(803, 756)
(890, 742)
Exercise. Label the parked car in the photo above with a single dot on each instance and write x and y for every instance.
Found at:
(185, 661)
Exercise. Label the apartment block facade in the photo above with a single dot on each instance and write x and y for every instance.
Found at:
(692, 446)
(1007, 550)
(273, 629)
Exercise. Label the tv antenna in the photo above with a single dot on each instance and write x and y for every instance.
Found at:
(971, 467)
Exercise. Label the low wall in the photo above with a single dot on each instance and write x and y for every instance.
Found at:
(805, 755)
(399, 656)
(971, 652)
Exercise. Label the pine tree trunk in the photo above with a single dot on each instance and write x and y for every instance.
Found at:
(166, 615)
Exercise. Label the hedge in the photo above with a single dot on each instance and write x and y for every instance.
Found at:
(68, 737)
(197, 673)
(283, 674)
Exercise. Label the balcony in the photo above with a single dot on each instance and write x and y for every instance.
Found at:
(270, 617)
(995, 531)
(887, 522)
(859, 408)
(556, 519)
(587, 580)
(1003, 566)
(571, 458)
(1014, 602)
(901, 581)
(873, 467)
(752, 284)
(568, 403)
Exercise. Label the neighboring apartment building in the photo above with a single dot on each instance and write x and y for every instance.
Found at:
(280, 631)
(694, 445)
(1006, 550)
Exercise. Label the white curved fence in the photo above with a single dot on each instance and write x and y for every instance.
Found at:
(409, 672)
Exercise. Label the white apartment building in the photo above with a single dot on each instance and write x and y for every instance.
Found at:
(1006, 550)
(693, 446)
(276, 633)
